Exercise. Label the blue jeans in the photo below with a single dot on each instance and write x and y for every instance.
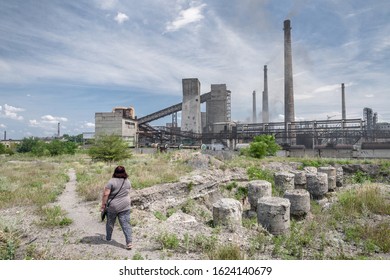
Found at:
(124, 221)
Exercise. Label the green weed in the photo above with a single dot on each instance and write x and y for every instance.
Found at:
(227, 252)
(168, 240)
(54, 216)
(9, 242)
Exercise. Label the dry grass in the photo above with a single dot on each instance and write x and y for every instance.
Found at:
(30, 182)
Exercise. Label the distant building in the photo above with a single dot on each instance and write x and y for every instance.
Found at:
(383, 126)
(121, 122)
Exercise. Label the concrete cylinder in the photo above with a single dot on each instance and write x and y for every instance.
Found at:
(300, 202)
(339, 177)
(227, 212)
(273, 213)
(299, 179)
(331, 172)
(317, 184)
(256, 190)
(284, 181)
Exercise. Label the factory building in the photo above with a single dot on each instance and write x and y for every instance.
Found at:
(121, 121)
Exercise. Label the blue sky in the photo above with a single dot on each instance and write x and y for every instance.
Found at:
(62, 61)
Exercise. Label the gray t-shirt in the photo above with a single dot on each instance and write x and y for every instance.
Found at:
(121, 202)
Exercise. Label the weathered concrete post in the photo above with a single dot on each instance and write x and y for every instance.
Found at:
(273, 213)
(284, 181)
(331, 172)
(299, 179)
(227, 212)
(300, 202)
(256, 190)
(339, 177)
(317, 184)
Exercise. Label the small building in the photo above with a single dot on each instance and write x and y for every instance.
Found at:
(121, 121)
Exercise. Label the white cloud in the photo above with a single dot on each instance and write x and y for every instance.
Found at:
(51, 119)
(327, 88)
(33, 123)
(11, 112)
(88, 124)
(107, 4)
(190, 15)
(2, 125)
(121, 18)
(46, 120)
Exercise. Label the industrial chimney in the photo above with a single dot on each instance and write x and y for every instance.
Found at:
(343, 111)
(254, 119)
(265, 97)
(289, 115)
(5, 135)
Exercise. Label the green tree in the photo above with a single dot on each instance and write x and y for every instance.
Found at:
(56, 147)
(27, 144)
(2, 148)
(109, 148)
(40, 149)
(263, 145)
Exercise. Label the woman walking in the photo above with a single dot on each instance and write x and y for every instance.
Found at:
(116, 195)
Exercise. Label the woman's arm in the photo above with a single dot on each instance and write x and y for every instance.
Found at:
(106, 193)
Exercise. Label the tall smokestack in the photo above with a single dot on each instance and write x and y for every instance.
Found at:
(343, 111)
(254, 118)
(289, 115)
(288, 75)
(58, 132)
(5, 135)
(265, 97)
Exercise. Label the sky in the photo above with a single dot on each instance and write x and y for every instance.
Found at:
(62, 61)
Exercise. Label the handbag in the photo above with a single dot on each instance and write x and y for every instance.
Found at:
(103, 214)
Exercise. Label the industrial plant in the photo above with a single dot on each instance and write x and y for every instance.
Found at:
(214, 128)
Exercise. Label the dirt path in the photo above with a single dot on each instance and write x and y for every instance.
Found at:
(84, 238)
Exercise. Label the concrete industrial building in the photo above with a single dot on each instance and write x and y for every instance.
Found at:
(190, 116)
(217, 108)
(121, 121)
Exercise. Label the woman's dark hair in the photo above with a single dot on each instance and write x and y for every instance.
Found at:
(120, 172)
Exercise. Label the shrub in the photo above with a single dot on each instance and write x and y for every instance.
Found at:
(109, 148)
(263, 145)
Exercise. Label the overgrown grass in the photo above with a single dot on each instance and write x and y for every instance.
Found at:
(149, 170)
(30, 183)
(369, 198)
